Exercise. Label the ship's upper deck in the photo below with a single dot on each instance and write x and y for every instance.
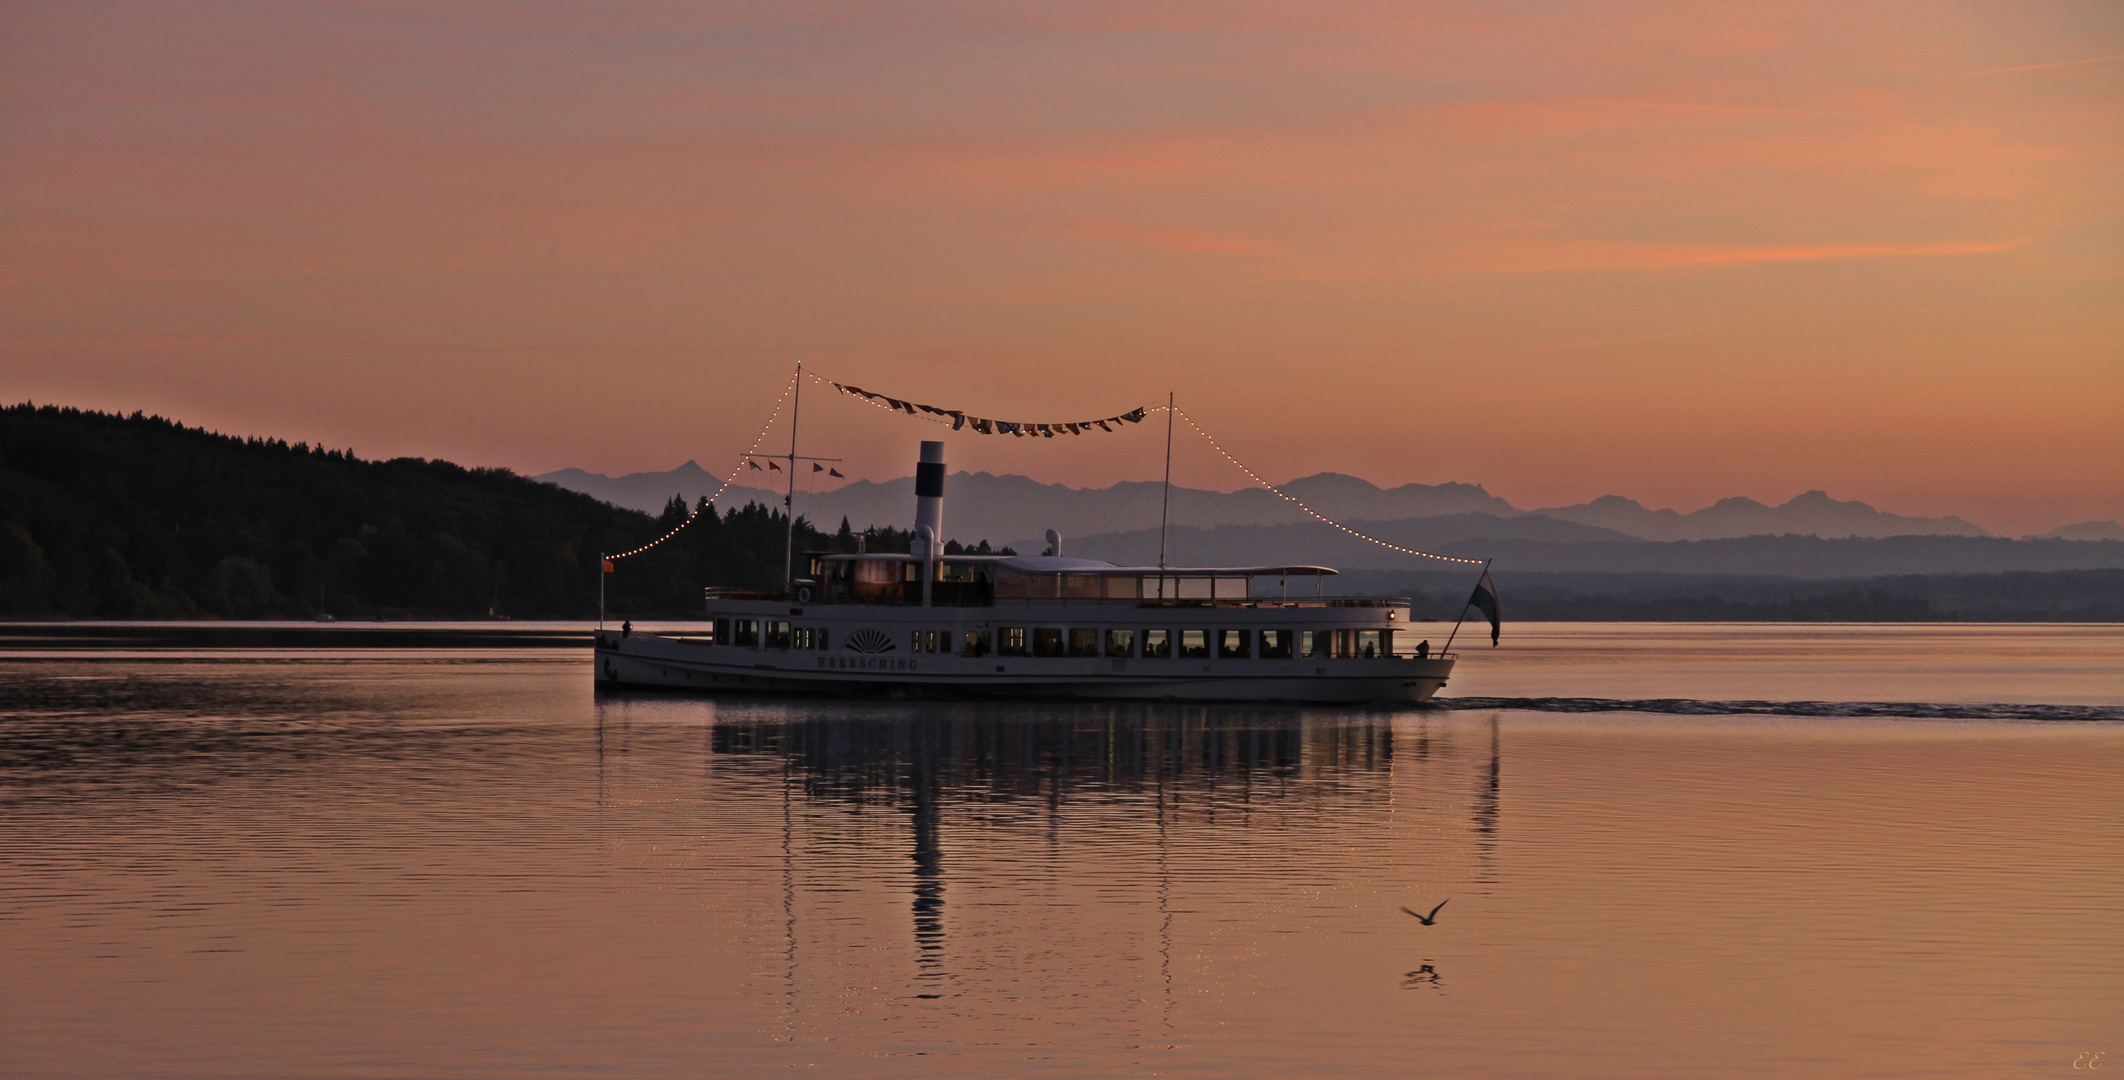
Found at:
(982, 580)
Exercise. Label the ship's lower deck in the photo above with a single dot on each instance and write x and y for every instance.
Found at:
(653, 661)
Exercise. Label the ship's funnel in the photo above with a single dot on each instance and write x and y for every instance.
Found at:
(929, 500)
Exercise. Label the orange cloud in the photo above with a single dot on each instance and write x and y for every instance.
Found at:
(1190, 241)
(1635, 256)
(2040, 67)
(581, 233)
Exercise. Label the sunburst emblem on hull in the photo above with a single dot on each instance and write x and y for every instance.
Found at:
(869, 640)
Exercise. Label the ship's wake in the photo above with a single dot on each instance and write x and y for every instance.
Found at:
(1890, 709)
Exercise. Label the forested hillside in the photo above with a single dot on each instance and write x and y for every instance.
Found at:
(137, 517)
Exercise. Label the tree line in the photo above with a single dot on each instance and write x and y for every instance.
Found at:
(139, 517)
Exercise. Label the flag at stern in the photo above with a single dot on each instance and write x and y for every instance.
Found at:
(1485, 601)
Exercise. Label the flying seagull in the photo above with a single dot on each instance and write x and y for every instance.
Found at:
(1432, 918)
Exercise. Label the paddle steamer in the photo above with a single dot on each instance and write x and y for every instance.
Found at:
(931, 624)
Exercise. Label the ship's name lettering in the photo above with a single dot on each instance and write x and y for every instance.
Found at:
(867, 663)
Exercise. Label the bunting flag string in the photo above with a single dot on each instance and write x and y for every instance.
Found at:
(1315, 514)
(735, 472)
(959, 419)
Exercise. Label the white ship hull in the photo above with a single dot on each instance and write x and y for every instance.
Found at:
(665, 663)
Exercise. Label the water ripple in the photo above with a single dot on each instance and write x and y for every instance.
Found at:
(1912, 710)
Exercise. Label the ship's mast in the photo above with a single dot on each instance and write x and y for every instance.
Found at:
(1165, 506)
(789, 500)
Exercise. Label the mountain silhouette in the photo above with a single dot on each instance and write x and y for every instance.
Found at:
(1020, 508)
(1811, 514)
(2086, 530)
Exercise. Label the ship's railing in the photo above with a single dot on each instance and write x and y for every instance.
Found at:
(1406, 650)
(962, 594)
(954, 594)
(1264, 603)
(713, 592)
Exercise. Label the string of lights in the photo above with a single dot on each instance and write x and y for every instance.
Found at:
(735, 472)
(1293, 500)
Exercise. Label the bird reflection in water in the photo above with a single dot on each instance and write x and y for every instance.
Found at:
(1423, 978)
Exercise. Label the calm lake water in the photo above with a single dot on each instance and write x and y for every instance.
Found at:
(1676, 851)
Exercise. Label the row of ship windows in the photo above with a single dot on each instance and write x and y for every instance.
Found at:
(1090, 641)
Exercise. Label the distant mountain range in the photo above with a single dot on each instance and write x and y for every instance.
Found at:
(984, 506)
(2086, 530)
(1535, 544)
(1811, 514)
(1015, 509)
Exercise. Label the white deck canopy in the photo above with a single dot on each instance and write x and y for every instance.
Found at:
(1053, 564)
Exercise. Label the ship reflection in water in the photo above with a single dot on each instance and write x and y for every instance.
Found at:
(1105, 795)
(412, 864)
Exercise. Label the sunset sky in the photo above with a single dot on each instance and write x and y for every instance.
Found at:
(1670, 251)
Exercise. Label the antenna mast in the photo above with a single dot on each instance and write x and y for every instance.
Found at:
(1165, 506)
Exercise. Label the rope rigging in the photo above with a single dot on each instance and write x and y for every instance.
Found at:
(956, 419)
(735, 471)
(1317, 515)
